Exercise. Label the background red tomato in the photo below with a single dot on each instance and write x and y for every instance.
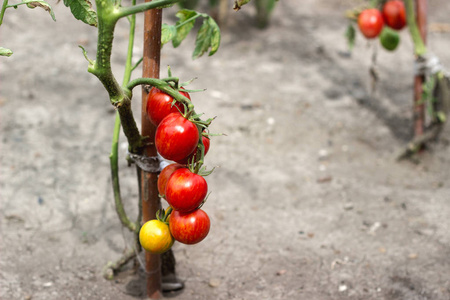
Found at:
(185, 191)
(189, 228)
(159, 105)
(164, 177)
(176, 137)
(206, 143)
(370, 23)
(394, 14)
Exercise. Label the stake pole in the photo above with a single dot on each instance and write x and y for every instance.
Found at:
(148, 181)
(419, 108)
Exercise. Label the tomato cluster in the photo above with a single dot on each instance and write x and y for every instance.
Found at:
(180, 137)
(372, 21)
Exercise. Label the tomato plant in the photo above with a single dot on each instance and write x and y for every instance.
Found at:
(164, 177)
(176, 137)
(155, 237)
(189, 228)
(160, 105)
(394, 14)
(185, 190)
(370, 23)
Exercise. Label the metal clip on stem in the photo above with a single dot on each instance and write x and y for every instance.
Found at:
(149, 164)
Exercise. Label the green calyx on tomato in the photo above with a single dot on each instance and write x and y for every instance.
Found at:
(389, 39)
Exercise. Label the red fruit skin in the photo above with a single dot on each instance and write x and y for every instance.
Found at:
(189, 228)
(164, 177)
(370, 23)
(159, 105)
(206, 143)
(394, 14)
(185, 191)
(176, 137)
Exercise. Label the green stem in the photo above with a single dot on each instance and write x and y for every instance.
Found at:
(162, 85)
(101, 68)
(419, 45)
(113, 159)
(134, 9)
(200, 151)
(137, 64)
(128, 67)
(189, 20)
(2, 12)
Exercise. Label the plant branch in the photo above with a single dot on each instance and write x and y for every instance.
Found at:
(134, 9)
(419, 45)
(2, 12)
(128, 67)
(112, 267)
(101, 68)
(163, 85)
(113, 159)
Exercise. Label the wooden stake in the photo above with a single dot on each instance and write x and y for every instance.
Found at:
(148, 181)
(419, 108)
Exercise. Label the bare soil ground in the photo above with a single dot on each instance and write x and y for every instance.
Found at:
(308, 201)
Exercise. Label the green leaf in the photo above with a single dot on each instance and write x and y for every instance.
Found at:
(82, 10)
(168, 32)
(42, 4)
(5, 52)
(184, 25)
(208, 36)
(350, 34)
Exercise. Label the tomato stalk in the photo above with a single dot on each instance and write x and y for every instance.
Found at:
(134, 9)
(114, 158)
(416, 25)
(108, 13)
(419, 45)
(3, 10)
(163, 85)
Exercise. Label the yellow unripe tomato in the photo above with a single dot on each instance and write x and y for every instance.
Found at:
(155, 237)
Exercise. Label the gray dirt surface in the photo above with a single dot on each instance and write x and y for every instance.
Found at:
(307, 202)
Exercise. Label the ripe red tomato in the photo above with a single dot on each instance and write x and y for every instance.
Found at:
(206, 143)
(394, 14)
(176, 137)
(159, 105)
(189, 228)
(370, 22)
(164, 177)
(185, 191)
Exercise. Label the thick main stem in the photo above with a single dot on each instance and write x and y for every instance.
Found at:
(148, 181)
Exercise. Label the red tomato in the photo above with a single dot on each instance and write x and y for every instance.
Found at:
(176, 137)
(159, 105)
(189, 228)
(206, 143)
(164, 177)
(370, 22)
(185, 191)
(394, 14)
